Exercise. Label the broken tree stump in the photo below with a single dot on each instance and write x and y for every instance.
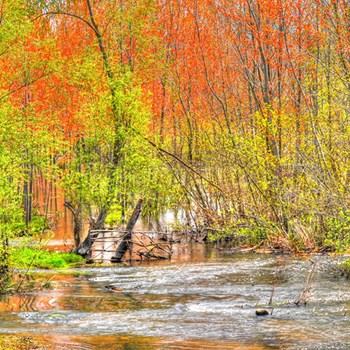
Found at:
(125, 243)
(85, 247)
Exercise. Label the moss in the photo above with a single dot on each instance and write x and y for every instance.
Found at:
(43, 259)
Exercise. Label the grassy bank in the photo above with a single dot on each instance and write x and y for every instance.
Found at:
(43, 259)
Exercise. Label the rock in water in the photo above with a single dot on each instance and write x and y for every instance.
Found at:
(261, 312)
(112, 288)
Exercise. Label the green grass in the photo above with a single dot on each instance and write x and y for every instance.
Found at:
(43, 259)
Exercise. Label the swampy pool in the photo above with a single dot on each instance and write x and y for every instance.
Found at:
(203, 299)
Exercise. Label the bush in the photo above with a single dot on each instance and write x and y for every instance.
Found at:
(338, 233)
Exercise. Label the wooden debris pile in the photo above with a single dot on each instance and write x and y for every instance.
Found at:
(142, 246)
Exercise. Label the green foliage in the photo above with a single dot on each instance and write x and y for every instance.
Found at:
(11, 213)
(284, 163)
(43, 259)
(93, 172)
(112, 164)
(343, 268)
(114, 217)
(255, 235)
(337, 237)
(251, 234)
(37, 225)
(14, 24)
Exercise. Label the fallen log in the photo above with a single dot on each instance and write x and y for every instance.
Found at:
(125, 243)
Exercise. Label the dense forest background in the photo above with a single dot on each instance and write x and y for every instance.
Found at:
(234, 112)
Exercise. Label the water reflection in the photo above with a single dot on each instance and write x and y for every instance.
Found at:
(63, 342)
(204, 301)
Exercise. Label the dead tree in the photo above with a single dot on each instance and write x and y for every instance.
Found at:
(124, 245)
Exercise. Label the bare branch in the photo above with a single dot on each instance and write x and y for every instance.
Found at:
(2, 97)
(63, 13)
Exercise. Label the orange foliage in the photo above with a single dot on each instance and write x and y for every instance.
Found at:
(201, 61)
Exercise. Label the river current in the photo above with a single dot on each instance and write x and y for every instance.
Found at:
(204, 299)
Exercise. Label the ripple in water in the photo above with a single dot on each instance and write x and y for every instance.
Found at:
(210, 301)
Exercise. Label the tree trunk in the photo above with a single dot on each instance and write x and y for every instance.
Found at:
(124, 245)
(99, 223)
(77, 222)
(84, 247)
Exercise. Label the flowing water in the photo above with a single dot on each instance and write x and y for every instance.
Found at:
(204, 299)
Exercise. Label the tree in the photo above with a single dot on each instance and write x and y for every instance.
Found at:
(113, 111)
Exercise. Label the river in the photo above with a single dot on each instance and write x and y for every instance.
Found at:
(202, 299)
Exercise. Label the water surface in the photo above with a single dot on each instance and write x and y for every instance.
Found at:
(205, 300)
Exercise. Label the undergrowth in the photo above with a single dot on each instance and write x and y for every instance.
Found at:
(43, 259)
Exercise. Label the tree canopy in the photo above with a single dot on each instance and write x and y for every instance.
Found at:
(234, 112)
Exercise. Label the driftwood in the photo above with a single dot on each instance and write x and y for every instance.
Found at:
(143, 245)
(304, 295)
(125, 243)
(84, 248)
(152, 249)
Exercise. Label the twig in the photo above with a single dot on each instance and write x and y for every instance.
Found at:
(302, 299)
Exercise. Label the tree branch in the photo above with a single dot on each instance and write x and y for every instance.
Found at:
(23, 86)
(182, 162)
(63, 13)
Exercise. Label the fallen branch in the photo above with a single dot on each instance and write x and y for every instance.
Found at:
(303, 297)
